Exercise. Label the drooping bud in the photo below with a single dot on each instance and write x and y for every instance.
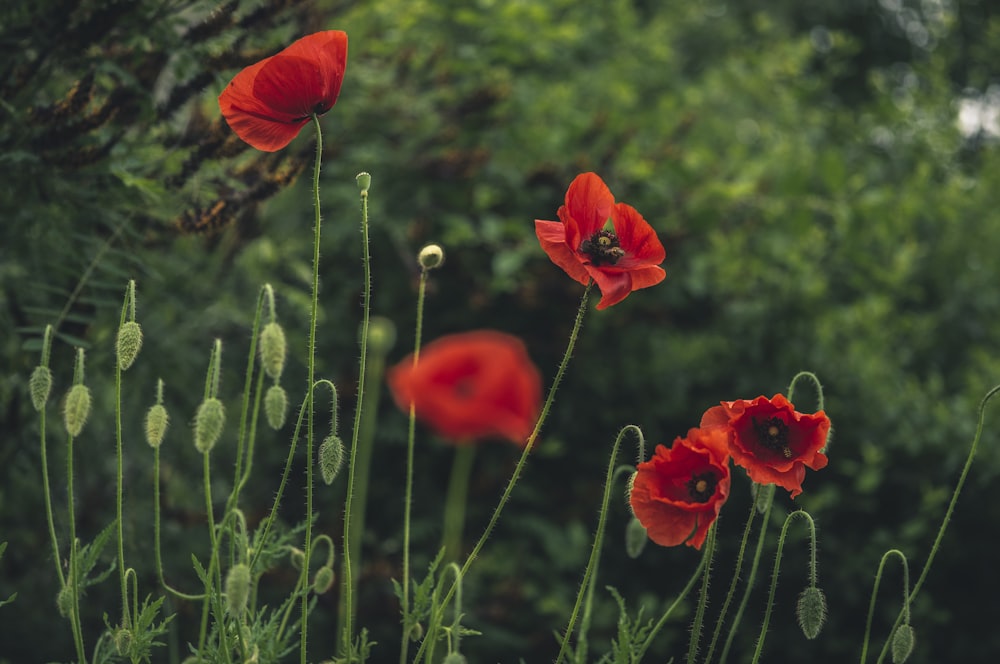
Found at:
(237, 589)
(297, 557)
(364, 182)
(416, 632)
(323, 580)
(273, 349)
(431, 256)
(331, 456)
(156, 425)
(76, 409)
(208, 424)
(129, 343)
(64, 600)
(276, 406)
(123, 640)
(902, 644)
(40, 385)
(635, 538)
(629, 485)
(811, 611)
(381, 335)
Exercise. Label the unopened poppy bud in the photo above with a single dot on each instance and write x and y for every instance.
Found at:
(811, 611)
(64, 600)
(76, 409)
(763, 495)
(635, 538)
(208, 423)
(629, 485)
(416, 632)
(129, 343)
(273, 349)
(902, 644)
(323, 580)
(276, 406)
(331, 456)
(237, 589)
(454, 658)
(40, 385)
(431, 256)
(123, 640)
(364, 182)
(297, 557)
(156, 425)
(381, 335)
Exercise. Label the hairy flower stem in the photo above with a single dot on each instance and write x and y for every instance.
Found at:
(408, 492)
(751, 579)
(699, 612)
(213, 570)
(48, 500)
(73, 578)
(774, 575)
(947, 516)
(587, 584)
(732, 585)
(366, 290)
(878, 582)
(454, 504)
(119, 480)
(546, 407)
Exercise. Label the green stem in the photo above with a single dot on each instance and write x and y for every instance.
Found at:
(457, 496)
(751, 579)
(699, 613)
(348, 628)
(48, 500)
(118, 485)
(241, 473)
(586, 586)
(871, 604)
(156, 532)
(732, 585)
(408, 492)
(74, 571)
(574, 333)
(947, 516)
(213, 571)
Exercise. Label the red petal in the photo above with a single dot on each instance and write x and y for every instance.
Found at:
(552, 237)
(637, 238)
(588, 206)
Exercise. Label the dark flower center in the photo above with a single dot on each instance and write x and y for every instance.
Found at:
(603, 247)
(772, 434)
(701, 487)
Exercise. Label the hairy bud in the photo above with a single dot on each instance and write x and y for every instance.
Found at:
(811, 611)
(129, 343)
(331, 456)
(273, 349)
(40, 385)
(76, 409)
(237, 589)
(323, 580)
(902, 644)
(431, 256)
(208, 423)
(635, 538)
(156, 425)
(275, 406)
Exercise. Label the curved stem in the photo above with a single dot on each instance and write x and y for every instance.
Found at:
(810, 376)
(574, 333)
(871, 604)
(48, 500)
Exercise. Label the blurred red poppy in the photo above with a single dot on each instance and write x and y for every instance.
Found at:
(267, 103)
(620, 259)
(771, 440)
(471, 385)
(678, 493)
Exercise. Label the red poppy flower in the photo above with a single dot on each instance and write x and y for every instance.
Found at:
(771, 440)
(620, 260)
(471, 385)
(678, 493)
(267, 103)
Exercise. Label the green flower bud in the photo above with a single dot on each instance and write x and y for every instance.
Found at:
(237, 589)
(331, 456)
(364, 182)
(273, 349)
(381, 335)
(39, 385)
(156, 425)
(811, 611)
(208, 423)
(635, 538)
(123, 640)
(431, 256)
(129, 343)
(275, 406)
(323, 580)
(297, 557)
(454, 658)
(416, 632)
(64, 600)
(902, 644)
(76, 409)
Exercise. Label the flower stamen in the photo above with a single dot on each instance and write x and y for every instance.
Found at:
(602, 247)
(772, 434)
(701, 487)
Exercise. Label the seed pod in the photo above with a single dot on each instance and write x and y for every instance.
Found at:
(76, 409)
(364, 182)
(811, 611)
(275, 406)
(129, 343)
(208, 423)
(40, 385)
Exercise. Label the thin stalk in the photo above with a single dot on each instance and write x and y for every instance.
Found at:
(408, 492)
(118, 486)
(457, 496)
(871, 604)
(213, 570)
(48, 500)
(546, 407)
(156, 532)
(699, 613)
(74, 570)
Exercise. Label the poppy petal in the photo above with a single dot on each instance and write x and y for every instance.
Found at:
(588, 204)
(637, 237)
(552, 236)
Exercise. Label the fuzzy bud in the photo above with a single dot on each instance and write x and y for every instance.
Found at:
(40, 385)
(123, 640)
(297, 557)
(811, 611)
(64, 600)
(416, 632)
(902, 644)
(76, 409)
(208, 423)
(635, 538)
(237, 589)
(323, 580)
(129, 343)
(331, 456)
(431, 256)
(275, 406)
(364, 182)
(381, 335)
(156, 425)
(273, 349)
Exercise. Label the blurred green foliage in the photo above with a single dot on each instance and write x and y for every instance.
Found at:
(802, 163)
